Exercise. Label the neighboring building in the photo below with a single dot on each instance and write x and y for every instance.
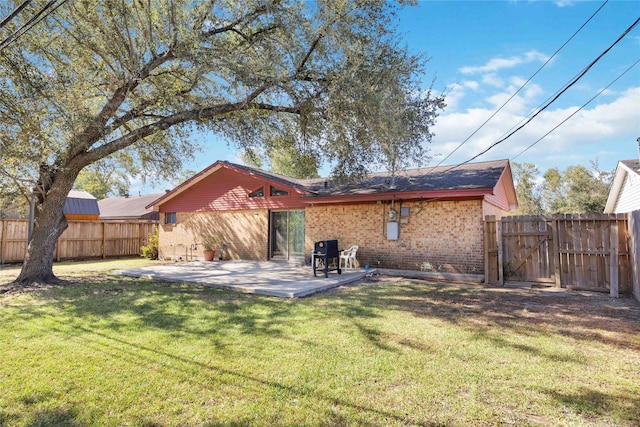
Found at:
(624, 194)
(81, 205)
(425, 219)
(128, 208)
(13, 210)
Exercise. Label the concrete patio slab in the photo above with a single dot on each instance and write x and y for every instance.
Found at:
(258, 277)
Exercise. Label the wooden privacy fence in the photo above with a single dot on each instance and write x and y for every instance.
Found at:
(81, 240)
(586, 252)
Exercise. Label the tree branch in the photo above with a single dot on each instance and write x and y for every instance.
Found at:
(175, 119)
(96, 129)
(246, 18)
(313, 46)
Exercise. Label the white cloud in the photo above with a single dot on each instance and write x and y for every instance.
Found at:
(453, 96)
(606, 131)
(564, 3)
(493, 80)
(497, 64)
(471, 84)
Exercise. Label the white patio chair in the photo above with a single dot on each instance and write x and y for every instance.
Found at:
(349, 257)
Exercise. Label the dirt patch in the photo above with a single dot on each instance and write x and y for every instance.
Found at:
(11, 288)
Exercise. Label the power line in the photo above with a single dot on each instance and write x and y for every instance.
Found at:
(579, 109)
(13, 14)
(33, 21)
(523, 85)
(559, 93)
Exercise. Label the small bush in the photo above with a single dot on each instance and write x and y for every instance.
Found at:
(150, 250)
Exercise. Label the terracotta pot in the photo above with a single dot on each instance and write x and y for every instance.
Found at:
(209, 254)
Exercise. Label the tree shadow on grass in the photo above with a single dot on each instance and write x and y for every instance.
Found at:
(209, 374)
(119, 303)
(486, 312)
(592, 402)
(54, 417)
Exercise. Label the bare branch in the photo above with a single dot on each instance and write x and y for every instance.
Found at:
(246, 18)
(309, 52)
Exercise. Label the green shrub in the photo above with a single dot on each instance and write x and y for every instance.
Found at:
(150, 250)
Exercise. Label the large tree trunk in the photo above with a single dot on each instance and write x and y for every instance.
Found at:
(49, 224)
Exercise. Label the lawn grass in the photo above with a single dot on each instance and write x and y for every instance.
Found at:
(110, 350)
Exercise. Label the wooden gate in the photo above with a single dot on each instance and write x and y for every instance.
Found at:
(588, 252)
(528, 248)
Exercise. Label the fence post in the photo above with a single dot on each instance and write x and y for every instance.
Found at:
(2, 240)
(500, 263)
(613, 260)
(104, 240)
(555, 253)
(487, 265)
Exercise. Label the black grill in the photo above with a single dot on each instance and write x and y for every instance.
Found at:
(326, 257)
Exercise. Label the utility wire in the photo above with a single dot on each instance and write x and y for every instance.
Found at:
(523, 85)
(581, 107)
(13, 14)
(564, 89)
(49, 8)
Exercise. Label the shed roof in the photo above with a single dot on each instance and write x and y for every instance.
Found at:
(126, 206)
(81, 202)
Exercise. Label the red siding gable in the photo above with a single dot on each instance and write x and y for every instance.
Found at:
(227, 189)
(504, 195)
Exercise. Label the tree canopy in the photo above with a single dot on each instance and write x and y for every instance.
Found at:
(107, 177)
(577, 189)
(93, 79)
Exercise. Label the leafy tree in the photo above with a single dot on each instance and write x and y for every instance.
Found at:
(527, 189)
(283, 156)
(97, 78)
(106, 178)
(576, 190)
(292, 162)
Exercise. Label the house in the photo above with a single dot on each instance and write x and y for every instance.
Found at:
(81, 205)
(422, 219)
(128, 208)
(624, 194)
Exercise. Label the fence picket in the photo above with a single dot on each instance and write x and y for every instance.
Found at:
(81, 240)
(574, 251)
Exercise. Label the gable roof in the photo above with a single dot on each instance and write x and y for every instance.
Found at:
(127, 207)
(625, 168)
(472, 180)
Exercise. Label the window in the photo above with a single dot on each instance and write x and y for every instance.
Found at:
(278, 192)
(257, 193)
(170, 218)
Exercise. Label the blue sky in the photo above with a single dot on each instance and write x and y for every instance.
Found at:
(481, 52)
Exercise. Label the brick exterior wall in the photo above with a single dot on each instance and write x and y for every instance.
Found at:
(444, 236)
(245, 232)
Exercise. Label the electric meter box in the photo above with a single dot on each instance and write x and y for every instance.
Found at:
(393, 230)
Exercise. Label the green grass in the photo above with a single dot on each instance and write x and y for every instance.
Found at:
(110, 351)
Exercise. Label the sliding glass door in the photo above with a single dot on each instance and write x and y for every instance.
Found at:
(287, 235)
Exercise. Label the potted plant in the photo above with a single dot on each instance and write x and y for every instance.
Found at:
(209, 242)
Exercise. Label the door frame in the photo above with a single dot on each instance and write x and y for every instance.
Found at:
(272, 241)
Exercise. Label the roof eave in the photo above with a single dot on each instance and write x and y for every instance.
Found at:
(616, 187)
(433, 195)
